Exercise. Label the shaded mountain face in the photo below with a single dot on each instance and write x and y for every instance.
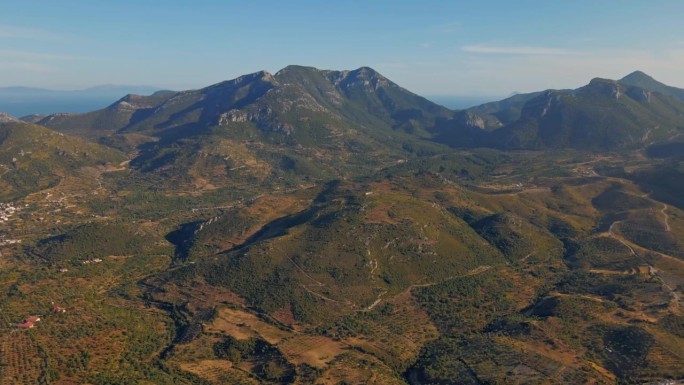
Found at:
(505, 111)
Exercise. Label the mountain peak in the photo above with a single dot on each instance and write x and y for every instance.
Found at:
(601, 81)
(296, 68)
(637, 76)
(363, 77)
(607, 87)
(642, 80)
(365, 70)
(262, 76)
(130, 101)
(366, 73)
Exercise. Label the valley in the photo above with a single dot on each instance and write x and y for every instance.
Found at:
(331, 227)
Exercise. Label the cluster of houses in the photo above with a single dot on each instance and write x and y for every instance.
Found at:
(94, 260)
(5, 242)
(7, 210)
(31, 321)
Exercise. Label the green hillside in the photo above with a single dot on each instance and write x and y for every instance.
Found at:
(34, 158)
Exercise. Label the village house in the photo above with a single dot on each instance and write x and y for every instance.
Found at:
(29, 322)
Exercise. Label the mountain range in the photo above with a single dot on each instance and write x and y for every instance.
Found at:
(603, 115)
(316, 226)
(317, 124)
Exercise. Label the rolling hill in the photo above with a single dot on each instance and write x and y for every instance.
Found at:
(33, 157)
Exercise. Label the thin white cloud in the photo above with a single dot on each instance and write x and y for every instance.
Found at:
(14, 32)
(446, 28)
(26, 67)
(22, 62)
(9, 54)
(518, 50)
(459, 74)
(391, 65)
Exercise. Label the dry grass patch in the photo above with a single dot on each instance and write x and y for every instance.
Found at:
(285, 316)
(603, 371)
(199, 295)
(242, 325)
(316, 351)
(218, 372)
(358, 369)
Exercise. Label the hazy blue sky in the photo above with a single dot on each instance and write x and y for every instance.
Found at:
(430, 47)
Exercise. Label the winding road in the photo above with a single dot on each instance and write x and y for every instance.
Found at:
(667, 217)
(652, 271)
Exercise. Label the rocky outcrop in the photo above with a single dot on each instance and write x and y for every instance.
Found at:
(606, 87)
(263, 118)
(471, 120)
(6, 118)
(639, 94)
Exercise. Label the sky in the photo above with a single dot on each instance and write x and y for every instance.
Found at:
(431, 47)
